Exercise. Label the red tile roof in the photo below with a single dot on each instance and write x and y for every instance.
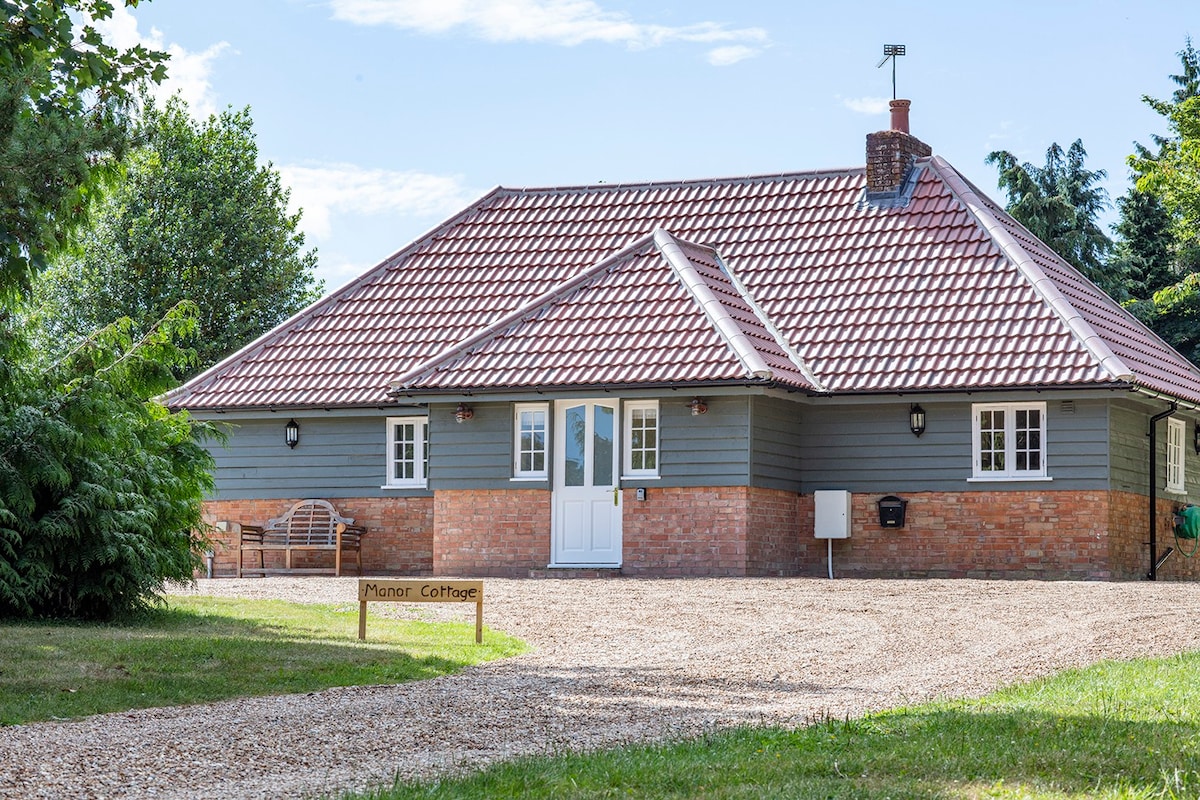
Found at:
(791, 280)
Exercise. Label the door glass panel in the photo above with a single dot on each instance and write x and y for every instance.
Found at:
(576, 436)
(602, 447)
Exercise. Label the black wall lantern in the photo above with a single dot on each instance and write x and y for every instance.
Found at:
(916, 419)
(1196, 438)
(291, 433)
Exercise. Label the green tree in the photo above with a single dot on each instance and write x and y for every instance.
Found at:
(100, 488)
(195, 218)
(1188, 81)
(64, 94)
(1144, 251)
(1059, 203)
(1172, 177)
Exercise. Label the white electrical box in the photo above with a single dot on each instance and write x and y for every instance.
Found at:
(832, 518)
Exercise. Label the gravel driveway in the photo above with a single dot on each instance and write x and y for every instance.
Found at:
(614, 661)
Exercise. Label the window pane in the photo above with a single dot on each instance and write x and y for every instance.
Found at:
(991, 440)
(576, 423)
(602, 444)
(643, 439)
(531, 441)
(403, 465)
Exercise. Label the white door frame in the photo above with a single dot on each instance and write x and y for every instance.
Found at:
(586, 508)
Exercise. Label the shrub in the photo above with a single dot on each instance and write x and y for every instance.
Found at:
(100, 486)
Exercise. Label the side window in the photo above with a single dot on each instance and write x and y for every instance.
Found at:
(641, 437)
(408, 452)
(1009, 441)
(529, 441)
(1176, 429)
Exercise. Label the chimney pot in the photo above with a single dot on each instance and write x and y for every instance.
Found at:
(900, 115)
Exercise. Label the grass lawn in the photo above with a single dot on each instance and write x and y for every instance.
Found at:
(201, 649)
(1117, 730)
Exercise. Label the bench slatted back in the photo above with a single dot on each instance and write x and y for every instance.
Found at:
(307, 522)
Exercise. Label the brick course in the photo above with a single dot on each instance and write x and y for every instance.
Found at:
(744, 531)
(491, 532)
(399, 533)
(982, 534)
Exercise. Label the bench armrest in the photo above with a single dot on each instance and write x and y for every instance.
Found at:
(249, 534)
(350, 534)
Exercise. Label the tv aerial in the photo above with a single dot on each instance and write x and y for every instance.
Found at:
(891, 51)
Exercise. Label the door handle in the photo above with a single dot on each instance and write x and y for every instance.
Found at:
(616, 496)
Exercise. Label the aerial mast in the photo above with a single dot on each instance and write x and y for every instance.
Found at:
(891, 51)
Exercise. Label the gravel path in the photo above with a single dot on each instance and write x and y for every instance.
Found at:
(614, 661)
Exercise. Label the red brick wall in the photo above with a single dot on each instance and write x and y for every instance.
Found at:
(733, 531)
(980, 534)
(678, 532)
(1129, 538)
(775, 537)
(399, 536)
(491, 532)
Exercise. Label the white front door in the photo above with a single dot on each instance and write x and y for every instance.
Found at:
(587, 497)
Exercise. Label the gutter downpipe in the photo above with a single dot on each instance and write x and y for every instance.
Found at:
(1154, 559)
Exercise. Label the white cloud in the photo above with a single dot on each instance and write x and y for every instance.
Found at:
(561, 22)
(866, 105)
(724, 56)
(188, 73)
(326, 190)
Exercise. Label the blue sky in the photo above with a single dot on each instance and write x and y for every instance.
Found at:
(384, 117)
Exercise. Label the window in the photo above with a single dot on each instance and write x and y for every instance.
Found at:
(1175, 434)
(641, 432)
(408, 452)
(529, 447)
(1009, 441)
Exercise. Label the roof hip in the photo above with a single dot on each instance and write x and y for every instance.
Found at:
(1041, 283)
(713, 308)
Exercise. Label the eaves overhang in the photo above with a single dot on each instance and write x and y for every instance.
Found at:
(399, 393)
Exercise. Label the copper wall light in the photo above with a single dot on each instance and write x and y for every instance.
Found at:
(698, 407)
(463, 413)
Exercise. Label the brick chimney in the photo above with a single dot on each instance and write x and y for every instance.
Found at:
(890, 156)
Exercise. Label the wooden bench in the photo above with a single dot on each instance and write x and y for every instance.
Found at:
(310, 525)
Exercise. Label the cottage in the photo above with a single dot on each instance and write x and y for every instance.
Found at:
(656, 379)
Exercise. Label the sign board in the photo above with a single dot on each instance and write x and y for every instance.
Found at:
(419, 590)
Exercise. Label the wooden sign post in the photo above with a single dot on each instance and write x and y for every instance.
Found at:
(408, 590)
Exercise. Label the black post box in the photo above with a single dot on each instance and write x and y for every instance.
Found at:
(891, 511)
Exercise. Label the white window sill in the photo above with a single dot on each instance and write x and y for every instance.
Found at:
(1010, 479)
(404, 486)
(530, 479)
(641, 477)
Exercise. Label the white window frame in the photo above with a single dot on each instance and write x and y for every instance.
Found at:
(420, 479)
(1010, 473)
(627, 429)
(1176, 433)
(531, 474)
